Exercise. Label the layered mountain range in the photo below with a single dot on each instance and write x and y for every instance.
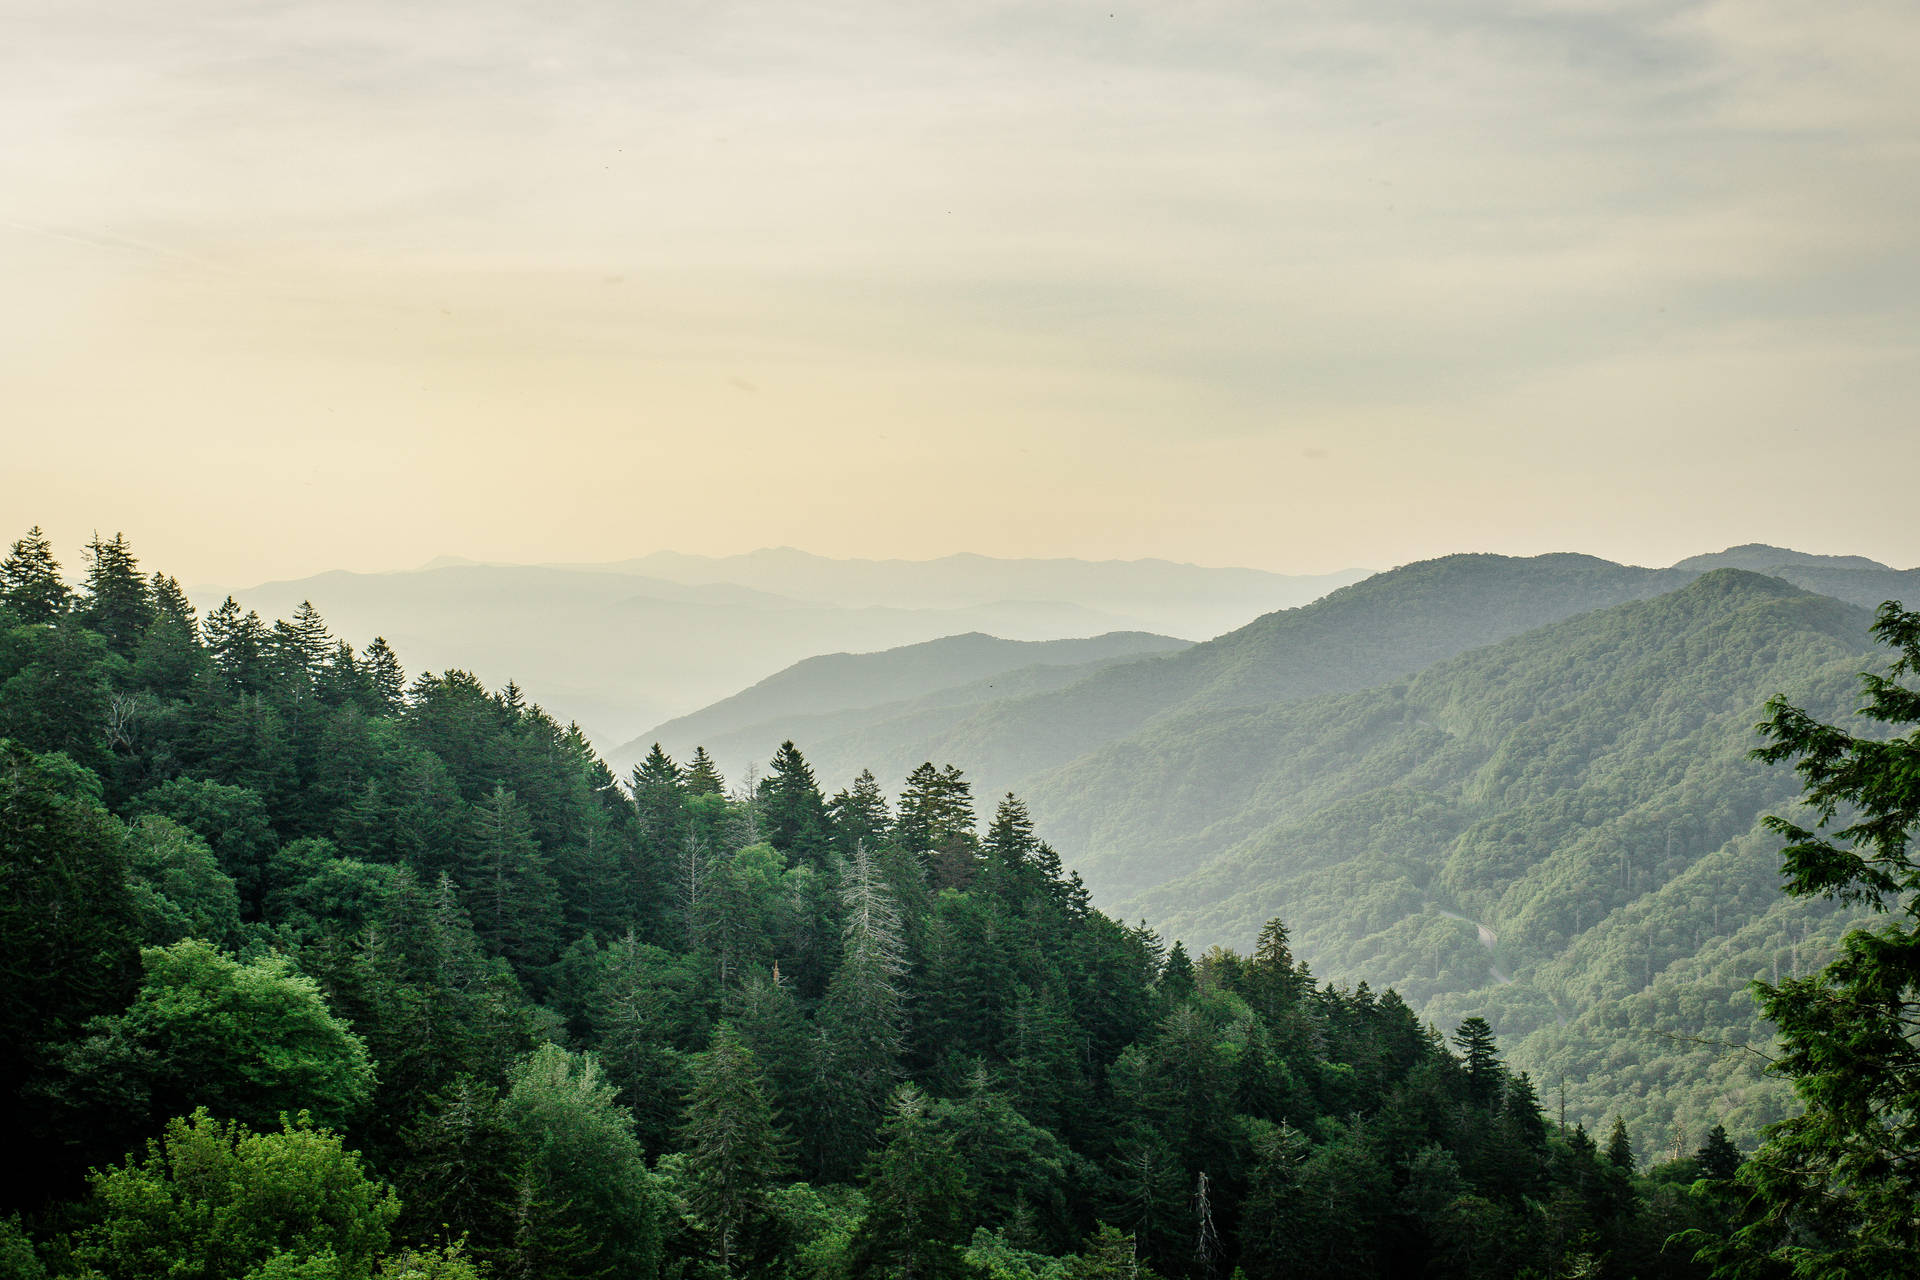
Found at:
(626, 644)
(1516, 787)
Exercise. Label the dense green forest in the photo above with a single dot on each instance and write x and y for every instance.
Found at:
(1561, 833)
(317, 971)
(1558, 829)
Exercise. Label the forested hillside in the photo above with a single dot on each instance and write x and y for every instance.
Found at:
(317, 971)
(1553, 832)
(1382, 629)
(1855, 579)
(831, 694)
(1558, 831)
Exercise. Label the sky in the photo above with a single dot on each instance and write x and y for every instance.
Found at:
(1298, 286)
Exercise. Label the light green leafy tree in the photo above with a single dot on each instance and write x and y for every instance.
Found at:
(249, 1041)
(214, 1200)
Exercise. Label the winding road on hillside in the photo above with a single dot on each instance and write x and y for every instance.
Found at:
(1488, 939)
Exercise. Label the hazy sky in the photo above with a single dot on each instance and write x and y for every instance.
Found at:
(292, 286)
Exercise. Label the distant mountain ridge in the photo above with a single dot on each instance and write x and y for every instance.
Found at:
(849, 682)
(1758, 557)
(1515, 787)
(1187, 600)
(1386, 627)
(1559, 832)
(1383, 628)
(617, 649)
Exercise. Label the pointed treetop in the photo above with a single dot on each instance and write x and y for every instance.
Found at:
(859, 814)
(1619, 1150)
(171, 603)
(117, 604)
(703, 776)
(1010, 839)
(657, 770)
(1719, 1159)
(30, 583)
(385, 674)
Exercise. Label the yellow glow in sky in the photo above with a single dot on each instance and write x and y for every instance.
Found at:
(1298, 286)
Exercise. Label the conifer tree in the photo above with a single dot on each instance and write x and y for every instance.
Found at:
(1176, 978)
(311, 641)
(171, 603)
(31, 587)
(586, 1201)
(925, 812)
(637, 1013)
(342, 679)
(1273, 979)
(385, 675)
(735, 1152)
(661, 831)
(936, 821)
(859, 814)
(1835, 1186)
(657, 770)
(237, 643)
(795, 813)
(1485, 1075)
(862, 1020)
(1619, 1149)
(1010, 845)
(515, 901)
(916, 1198)
(703, 776)
(118, 604)
(1718, 1158)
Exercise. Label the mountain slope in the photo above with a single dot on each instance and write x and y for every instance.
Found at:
(1855, 579)
(1387, 627)
(1559, 832)
(1758, 557)
(834, 693)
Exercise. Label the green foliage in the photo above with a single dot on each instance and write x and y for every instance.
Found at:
(796, 813)
(734, 1151)
(250, 1041)
(177, 886)
(233, 820)
(117, 603)
(1559, 833)
(214, 1200)
(31, 587)
(585, 1204)
(69, 924)
(514, 979)
(55, 688)
(1833, 1188)
(916, 1198)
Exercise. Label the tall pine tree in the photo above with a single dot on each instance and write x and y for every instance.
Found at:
(735, 1152)
(795, 813)
(118, 604)
(30, 583)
